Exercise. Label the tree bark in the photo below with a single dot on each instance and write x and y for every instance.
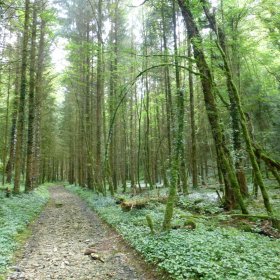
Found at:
(31, 107)
(192, 119)
(210, 102)
(180, 109)
(23, 89)
(38, 103)
(4, 158)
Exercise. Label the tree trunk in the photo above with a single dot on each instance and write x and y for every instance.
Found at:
(99, 96)
(210, 102)
(4, 158)
(38, 103)
(23, 87)
(180, 109)
(31, 107)
(193, 126)
(233, 106)
(13, 135)
(167, 87)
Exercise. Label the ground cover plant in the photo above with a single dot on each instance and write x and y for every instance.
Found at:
(16, 213)
(207, 251)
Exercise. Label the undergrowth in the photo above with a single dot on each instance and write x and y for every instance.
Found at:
(16, 212)
(207, 252)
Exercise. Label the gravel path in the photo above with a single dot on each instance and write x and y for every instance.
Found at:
(65, 229)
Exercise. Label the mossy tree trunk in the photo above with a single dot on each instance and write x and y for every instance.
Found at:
(192, 120)
(247, 137)
(237, 102)
(210, 102)
(237, 143)
(180, 109)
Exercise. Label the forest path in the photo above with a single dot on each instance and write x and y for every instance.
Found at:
(64, 230)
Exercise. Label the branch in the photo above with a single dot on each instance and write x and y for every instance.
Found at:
(160, 55)
(223, 100)
(261, 153)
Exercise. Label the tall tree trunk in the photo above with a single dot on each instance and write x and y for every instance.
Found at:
(132, 133)
(243, 121)
(247, 138)
(38, 102)
(139, 140)
(4, 158)
(167, 87)
(99, 96)
(193, 126)
(180, 109)
(23, 87)
(211, 106)
(177, 160)
(13, 135)
(31, 108)
(88, 115)
(233, 106)
(147, 165)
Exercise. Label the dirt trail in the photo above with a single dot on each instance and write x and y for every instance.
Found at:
(65, 229)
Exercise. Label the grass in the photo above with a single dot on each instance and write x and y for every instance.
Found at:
(210, 251)
(16, 213)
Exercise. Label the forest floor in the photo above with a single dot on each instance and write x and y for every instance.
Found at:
(64, 231)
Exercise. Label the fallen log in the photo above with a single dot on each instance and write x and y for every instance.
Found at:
(128, 205)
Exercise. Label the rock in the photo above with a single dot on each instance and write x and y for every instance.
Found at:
(96, 257)
(16, 268)
(110, 274)
(89, 251)
(21, 276)
(62, 265)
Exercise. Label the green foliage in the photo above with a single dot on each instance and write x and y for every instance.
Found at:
(203, 253)
(16, 213)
